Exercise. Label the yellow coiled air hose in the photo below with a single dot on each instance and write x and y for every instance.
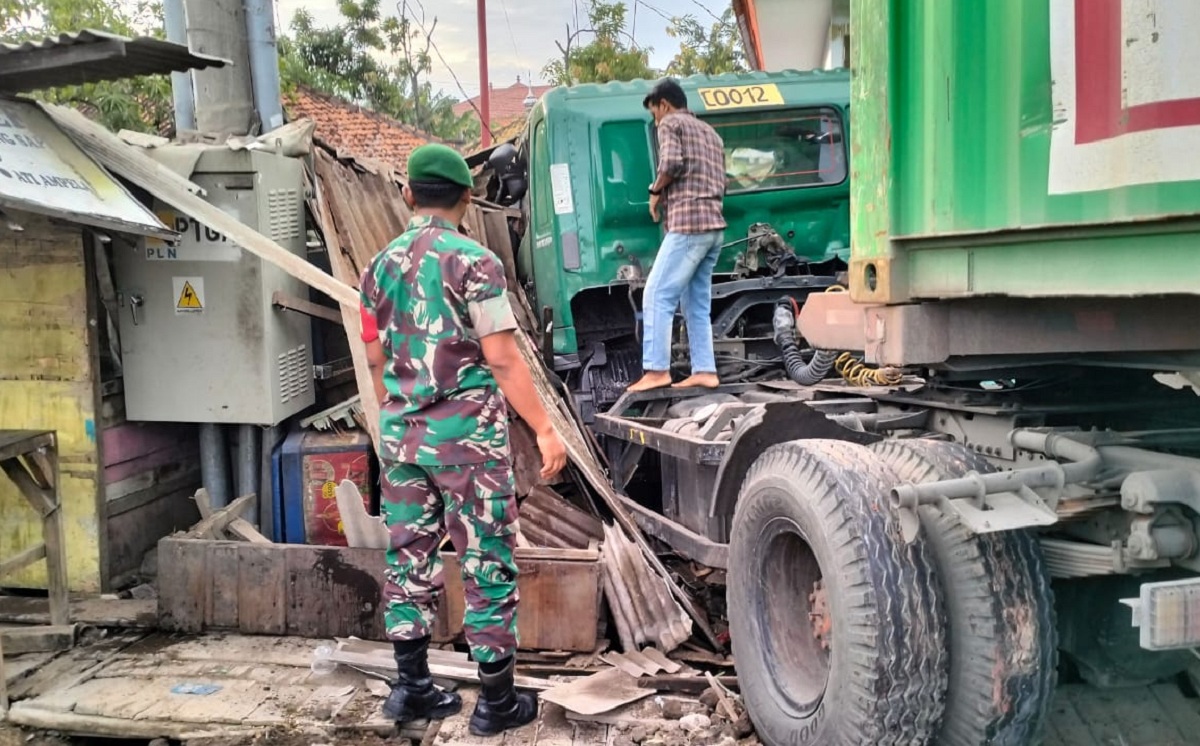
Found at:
(858, 373)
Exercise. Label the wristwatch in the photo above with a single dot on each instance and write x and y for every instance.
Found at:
(655, 192)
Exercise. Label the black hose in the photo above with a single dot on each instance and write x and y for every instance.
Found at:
(805, 374)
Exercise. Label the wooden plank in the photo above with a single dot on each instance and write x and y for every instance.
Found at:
(38, 639)
(39, 497)
(684, 684)
(101, 612)
(16, 443)
(183, 579)
(262, 590)
(3, 682)
(24, 559)
(212, 526)
(222, 597)
(334, 592)
(56, 548)
(1182, 712)
(306, 307)
(243, 529)
(29, 715)
(468, 672)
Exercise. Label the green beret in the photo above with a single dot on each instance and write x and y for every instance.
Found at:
(439, 163)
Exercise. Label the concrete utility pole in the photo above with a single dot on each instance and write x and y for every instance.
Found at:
(235, 98)
(485, 109)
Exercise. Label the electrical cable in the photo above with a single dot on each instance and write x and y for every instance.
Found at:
(486, 125)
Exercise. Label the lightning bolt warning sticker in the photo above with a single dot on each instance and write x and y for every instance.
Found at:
(189, 294)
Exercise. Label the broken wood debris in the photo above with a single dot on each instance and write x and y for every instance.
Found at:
(36, 639)
(215, 524)
(684, 684)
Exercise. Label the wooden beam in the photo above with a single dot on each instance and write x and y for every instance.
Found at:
(243, 529)
(16, 443)
(211, 527)
(306, 307)
(685, 684)
(38, 639)
(38, 496)
(22, 560)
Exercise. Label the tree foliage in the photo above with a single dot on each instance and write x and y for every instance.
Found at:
(708, 51)
(143, 104)
(611, 54)
(379, 62)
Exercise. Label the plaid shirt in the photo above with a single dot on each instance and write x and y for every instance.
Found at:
(691, 152)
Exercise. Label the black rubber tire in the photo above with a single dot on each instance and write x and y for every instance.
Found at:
(817, 509)
(1003, 636)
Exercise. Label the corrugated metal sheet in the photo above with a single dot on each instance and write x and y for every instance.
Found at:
(90, 57)
(640, 600)
(548, 520)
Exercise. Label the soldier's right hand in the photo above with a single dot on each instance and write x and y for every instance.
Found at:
(554, 453)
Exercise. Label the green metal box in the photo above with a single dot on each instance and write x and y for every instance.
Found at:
(1030, 148)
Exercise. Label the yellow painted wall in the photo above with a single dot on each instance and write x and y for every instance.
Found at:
(46, 383)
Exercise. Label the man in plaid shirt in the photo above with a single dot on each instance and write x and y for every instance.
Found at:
(691, 184)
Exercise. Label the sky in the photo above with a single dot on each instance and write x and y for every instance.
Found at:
(521, 33)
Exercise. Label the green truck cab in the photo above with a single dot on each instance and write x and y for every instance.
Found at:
(590, 242)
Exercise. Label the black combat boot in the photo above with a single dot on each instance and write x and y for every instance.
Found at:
(501, 707)
(414, 697)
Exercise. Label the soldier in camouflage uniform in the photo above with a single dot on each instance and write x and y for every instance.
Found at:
(440, 338)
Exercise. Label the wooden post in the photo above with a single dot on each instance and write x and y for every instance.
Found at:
(56, 548)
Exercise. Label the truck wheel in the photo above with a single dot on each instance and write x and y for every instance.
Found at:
(1003, 636)
(837, 625)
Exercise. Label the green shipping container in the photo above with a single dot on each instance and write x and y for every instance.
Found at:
(1033, 148)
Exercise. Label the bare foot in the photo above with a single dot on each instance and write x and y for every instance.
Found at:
(699, 381)
(653, 379)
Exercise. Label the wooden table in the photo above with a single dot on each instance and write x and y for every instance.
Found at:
(29, 458)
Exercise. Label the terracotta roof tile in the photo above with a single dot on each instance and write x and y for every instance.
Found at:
(504, 103)
(352, 131)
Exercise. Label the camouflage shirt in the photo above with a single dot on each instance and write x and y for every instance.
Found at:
(432, 294)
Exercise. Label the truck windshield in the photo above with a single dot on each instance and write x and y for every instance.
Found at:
(782, 150)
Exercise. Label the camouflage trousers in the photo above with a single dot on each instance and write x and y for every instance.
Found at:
(476, 505)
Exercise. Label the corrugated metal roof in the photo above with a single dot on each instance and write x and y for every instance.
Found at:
(91, 57)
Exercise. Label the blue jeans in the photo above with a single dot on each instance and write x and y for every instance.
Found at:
(681, 276)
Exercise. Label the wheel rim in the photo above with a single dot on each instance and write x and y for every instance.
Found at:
(792, 616)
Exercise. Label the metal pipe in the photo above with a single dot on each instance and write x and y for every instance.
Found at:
(214, 464)
(264, 63)
(485, 106)
(248, 466)
(175, 25)
(1085, 464)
